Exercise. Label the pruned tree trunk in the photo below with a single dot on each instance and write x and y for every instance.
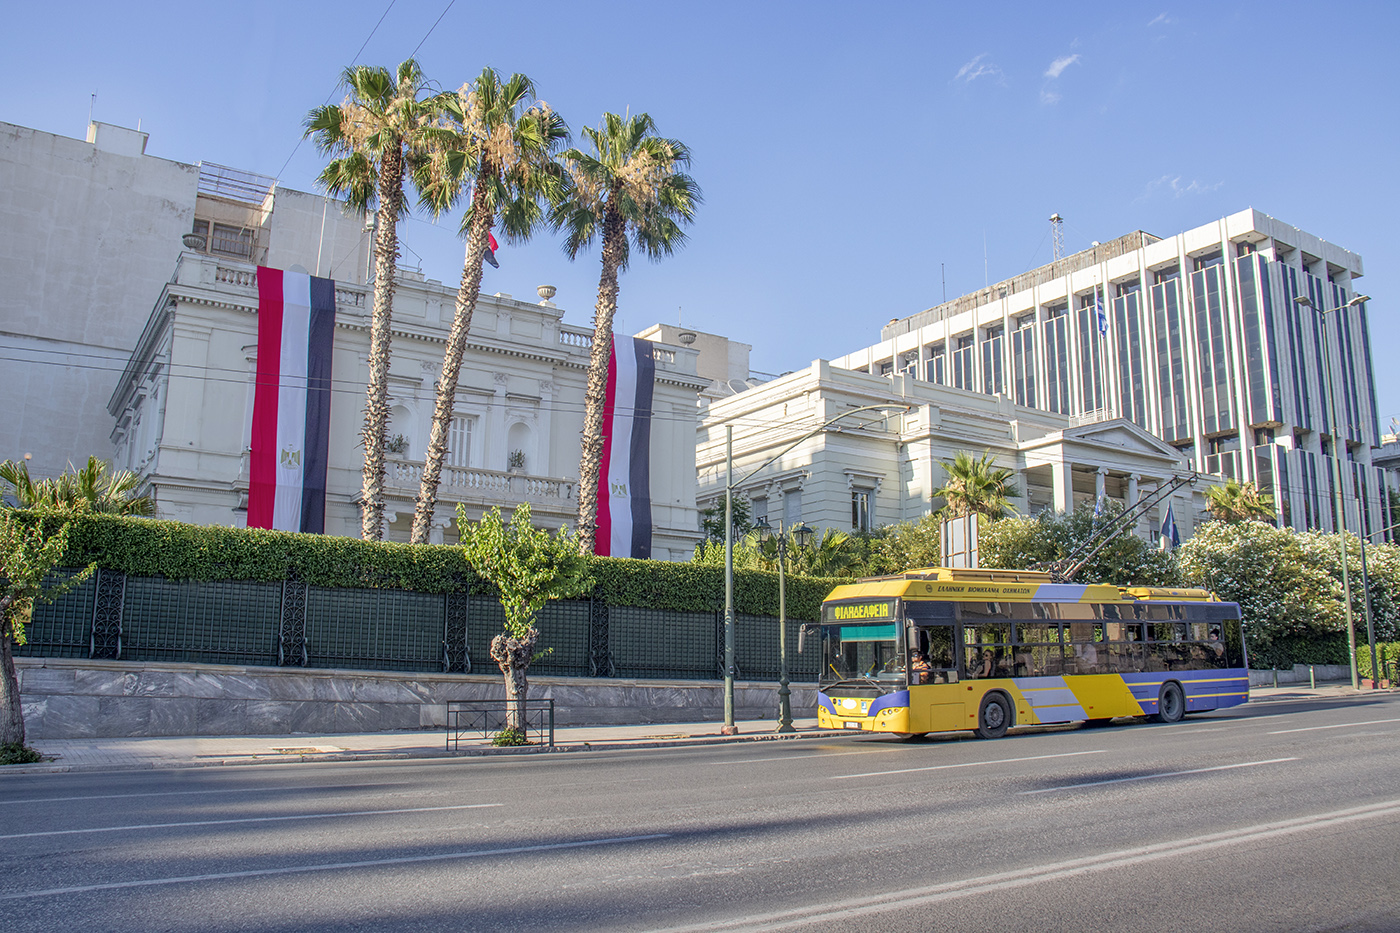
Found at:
(467, 294)
(595, 395)
(11, 712)
(514, 655)
(375, 433)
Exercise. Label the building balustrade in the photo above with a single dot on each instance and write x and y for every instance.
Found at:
(494, 486)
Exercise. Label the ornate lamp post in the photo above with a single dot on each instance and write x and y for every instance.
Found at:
(801, 536)
(1338, 451)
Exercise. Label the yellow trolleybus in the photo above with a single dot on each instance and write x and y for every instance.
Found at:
(944, 650)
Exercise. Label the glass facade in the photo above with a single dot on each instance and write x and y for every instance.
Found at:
(1090, 357)
(1217, 385)
(962, 363)
(994, 362)
(1128, 334)
(1172, 394)
(1057, 379)
(1023, 364)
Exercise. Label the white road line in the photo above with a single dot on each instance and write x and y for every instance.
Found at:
(331, 866)
(1153, 777)
(1341, 725)
(966, 764)
(806, 753)
(187, 793)
(855, 908)
(250, 819)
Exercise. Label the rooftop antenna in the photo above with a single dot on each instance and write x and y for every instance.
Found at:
(91, 104)
(943, 270)
(1057, 228)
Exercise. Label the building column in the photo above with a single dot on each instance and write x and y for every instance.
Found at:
(1062, 495)
(1133, 500)
(1100, 485)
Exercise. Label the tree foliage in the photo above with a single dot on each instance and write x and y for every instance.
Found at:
(1233, 501)
(93, 488)
(1127, 560)
(32, 546)
(712, 520)
(976, 486)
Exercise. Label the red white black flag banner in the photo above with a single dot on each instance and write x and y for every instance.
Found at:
(624, 480)
(291, 402)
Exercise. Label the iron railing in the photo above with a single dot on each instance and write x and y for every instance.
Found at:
(488, 718)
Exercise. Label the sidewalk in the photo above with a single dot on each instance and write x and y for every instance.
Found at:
(126, 754)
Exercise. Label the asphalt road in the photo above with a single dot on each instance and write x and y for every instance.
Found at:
(1279, 815)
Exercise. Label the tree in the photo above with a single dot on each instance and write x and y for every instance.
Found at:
(834, 554)
(976, 486)
(375, 134)
(31, 545)
(1280, 578)
(91, 489)
(632, 191)
(1018, 543)
(907, 546)
(1233, 501)
(712, 520)
(528, 568)
(493, 143)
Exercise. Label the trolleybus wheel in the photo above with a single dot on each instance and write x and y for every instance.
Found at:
(1171, 704)
(994, 718)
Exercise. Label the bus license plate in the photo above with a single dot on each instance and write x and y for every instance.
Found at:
(850, 725)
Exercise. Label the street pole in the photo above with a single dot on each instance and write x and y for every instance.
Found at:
(1338, 446)
(729, 728)
(1366, 595)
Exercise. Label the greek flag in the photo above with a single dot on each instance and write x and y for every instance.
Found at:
(1099, 311)
(1168, 530)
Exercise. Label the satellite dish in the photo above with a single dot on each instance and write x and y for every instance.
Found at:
(738, 385)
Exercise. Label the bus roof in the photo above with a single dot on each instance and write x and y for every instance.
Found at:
(1002, 586)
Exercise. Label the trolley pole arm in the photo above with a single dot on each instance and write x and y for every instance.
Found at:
(1088, 550)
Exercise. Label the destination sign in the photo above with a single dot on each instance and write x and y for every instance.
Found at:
(850, 612)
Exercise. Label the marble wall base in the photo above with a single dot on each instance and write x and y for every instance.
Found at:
(66, 699)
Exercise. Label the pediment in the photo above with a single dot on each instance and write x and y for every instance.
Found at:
(1119, 434)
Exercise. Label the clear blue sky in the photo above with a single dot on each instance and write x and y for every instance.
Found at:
(847, 151)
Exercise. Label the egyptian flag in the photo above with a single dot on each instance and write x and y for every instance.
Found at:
(624, 480)
(291, 402)
(491, 251)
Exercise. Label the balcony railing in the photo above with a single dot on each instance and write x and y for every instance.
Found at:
(404, 476)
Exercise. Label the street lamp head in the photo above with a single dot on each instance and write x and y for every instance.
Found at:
(765, 530)
(1358, 300)
(1303, 301)
(802, 535)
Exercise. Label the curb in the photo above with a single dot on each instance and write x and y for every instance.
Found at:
(476, 752)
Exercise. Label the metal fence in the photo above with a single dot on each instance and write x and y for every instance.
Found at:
(294, 624)
(487, 718)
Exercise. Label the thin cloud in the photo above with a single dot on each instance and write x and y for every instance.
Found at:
(1049, 97)
(1058, 66)
(1161, 20)
(1173, 185)
(977, 68)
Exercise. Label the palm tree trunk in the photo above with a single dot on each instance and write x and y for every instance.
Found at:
(11, 712)
(375, 433)
(595, 395)
(467, 294)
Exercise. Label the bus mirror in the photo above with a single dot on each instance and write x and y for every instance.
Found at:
(802, 634)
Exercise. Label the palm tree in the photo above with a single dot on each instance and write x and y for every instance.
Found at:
(632, 191)
(1239, 502)
(374, 134)
(976, 487)
(90, 489)
(495, 143)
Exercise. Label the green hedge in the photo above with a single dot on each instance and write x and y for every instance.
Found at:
(1282, 653)
(1387, 652)
(177, 551)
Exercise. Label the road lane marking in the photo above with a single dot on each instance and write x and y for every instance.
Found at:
(331, 866)
(925, 896)
(1153, 777)
(1340, 725)
(808, 753)
(966, 764)
(292, 788)
(248, 819)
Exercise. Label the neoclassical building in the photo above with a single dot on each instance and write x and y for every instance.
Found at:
(183, 407)
(1096, 375)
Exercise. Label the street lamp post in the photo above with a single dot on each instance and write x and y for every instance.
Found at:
(729, 728)
(1338, 445)
(801, 534)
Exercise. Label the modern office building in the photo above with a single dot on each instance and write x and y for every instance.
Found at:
(1200, 339)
